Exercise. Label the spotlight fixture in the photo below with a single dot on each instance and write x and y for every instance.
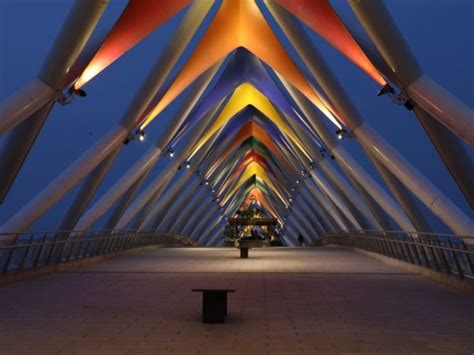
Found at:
(188, 164)
(171, 153)
(78, 92)
(218, 199)
(212, 190)
(207, 182)
(293, 189)
(409, 105)
(297, 181)
(290, 200)
(387, 89)
(140, 134)
(68, 96)
(342, 134)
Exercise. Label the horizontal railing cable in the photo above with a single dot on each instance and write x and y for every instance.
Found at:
(27, 251)
(450, 254)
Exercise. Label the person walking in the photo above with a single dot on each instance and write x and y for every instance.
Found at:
(301, 239)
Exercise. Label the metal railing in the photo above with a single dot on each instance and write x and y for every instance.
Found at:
(27, 251)
(450, 254)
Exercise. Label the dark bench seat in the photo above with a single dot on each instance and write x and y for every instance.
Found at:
(214, 304)
(245, 246)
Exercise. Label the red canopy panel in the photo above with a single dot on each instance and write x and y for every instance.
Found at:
(321, 18)
(138, 20)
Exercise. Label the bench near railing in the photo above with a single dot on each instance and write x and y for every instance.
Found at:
(27, 251)
(450, 254)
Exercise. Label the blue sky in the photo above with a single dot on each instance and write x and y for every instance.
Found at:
(439, 34)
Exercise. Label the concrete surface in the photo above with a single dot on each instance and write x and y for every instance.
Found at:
(288, 301)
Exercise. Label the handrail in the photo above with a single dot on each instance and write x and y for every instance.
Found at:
(440, 252)
(398, 232)
(38, 249)
(92, 231)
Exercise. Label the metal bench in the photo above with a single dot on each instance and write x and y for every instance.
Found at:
(245, 246)
(214, 304)
(244, 252)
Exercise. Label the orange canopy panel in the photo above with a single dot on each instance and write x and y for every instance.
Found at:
(260, 197)
(243, 96)
(250, 157)
(250, 129)
(244, 133)
(321, 18)
(138, 20)
(252, 169)
(239, 23)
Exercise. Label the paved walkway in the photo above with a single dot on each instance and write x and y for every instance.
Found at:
(288, 301)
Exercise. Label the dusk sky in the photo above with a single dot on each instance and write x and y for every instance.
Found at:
(438, 32)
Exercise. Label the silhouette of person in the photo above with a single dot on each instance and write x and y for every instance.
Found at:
(301, 239)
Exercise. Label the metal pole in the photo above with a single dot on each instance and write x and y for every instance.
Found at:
(433, 98)
(178, 206)
(403, 197)
(352, 200)
(144, 97)
(87, 191)
(209, 227)
(449, 146)
(56, 189)
(161, 181)
(79, 25)
(311, 216)
(318, 212)
(213, 240)
(190, 226)
(324, 185)
(190, 208)
(433, 198)
(106, 145)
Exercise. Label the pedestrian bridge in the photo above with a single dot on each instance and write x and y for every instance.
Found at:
(350, 169)
(325, 300)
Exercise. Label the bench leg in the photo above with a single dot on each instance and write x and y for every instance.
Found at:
(214, 307)
(244, 253)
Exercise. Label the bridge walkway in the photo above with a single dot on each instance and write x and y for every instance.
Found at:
(289, 301)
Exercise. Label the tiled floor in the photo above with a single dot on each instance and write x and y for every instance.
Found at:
(288, 301)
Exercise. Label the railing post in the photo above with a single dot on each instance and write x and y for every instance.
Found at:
(440, 251)
(9, 256)
(468, 256)
(71, 249)
(38, 255)
(414, 249)
(406, 248)
(110, 243)
(423, 247)
(54, 242)
(456, 261)
(388, 242)
(21, 263)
